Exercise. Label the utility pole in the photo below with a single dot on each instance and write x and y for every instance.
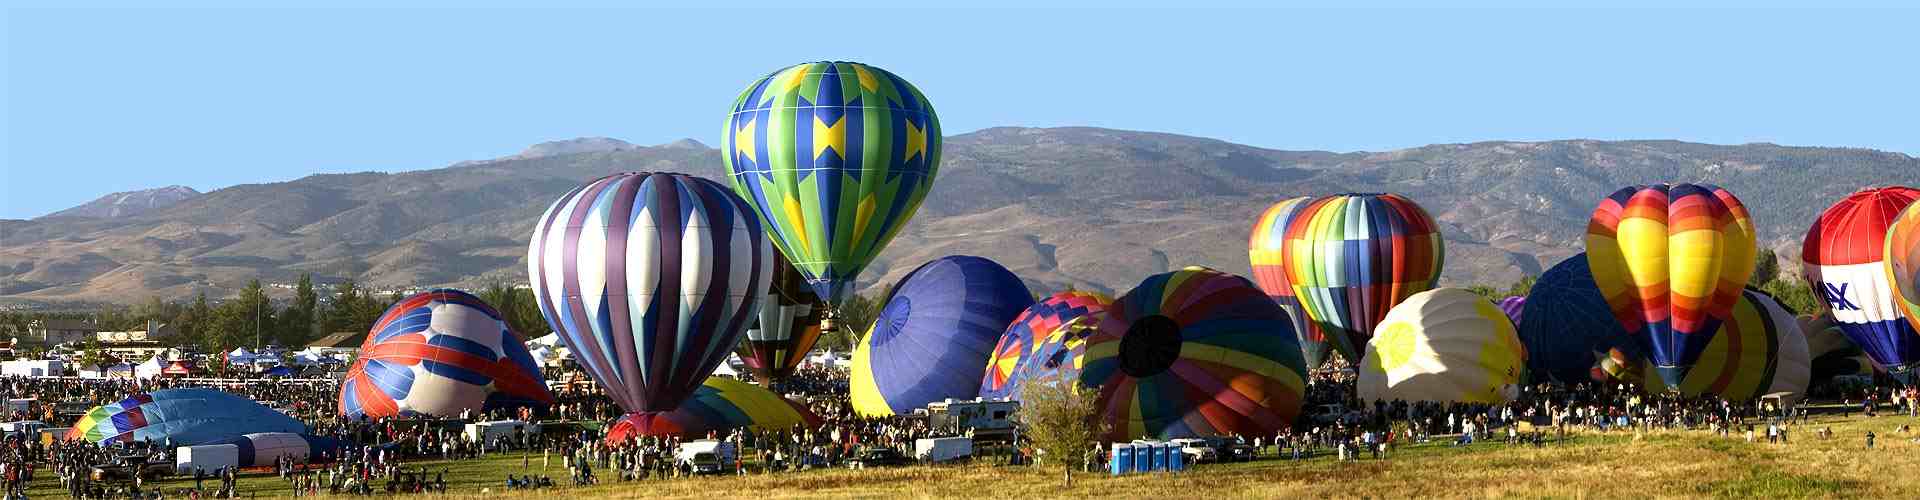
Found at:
(256, 325)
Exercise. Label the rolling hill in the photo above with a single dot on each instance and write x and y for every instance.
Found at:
(1091, 208)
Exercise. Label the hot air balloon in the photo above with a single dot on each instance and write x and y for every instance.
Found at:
(1568, 328)
(835, 157)
(440, 353)
(650, 278)
(932, 339)
(1267, 249)
(1043, 323)
(1759, 350)
(787, 327)
(1671, 261)
(1194, 352)
(1513, 306)
(1352, 257)
(187, 417)
(1902, 270)
(1843, 259)
(719, 404)
(1444, 345)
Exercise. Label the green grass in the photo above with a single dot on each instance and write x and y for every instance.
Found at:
(1593, 465)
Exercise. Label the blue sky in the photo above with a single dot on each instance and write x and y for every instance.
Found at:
(101, 100)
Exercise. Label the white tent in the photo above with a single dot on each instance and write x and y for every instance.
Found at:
(726, 370)
(149, 369)
(549, 340)
(540, 355)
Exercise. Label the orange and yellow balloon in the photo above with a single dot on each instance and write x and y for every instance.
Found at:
(1671, 261)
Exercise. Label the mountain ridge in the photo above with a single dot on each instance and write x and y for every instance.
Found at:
(1086, 207)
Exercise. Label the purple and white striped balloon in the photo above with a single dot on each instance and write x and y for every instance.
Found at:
(1513, 305)
(651, 279)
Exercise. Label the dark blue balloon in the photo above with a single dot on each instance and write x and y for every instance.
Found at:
(1567, 326)
(932, 339)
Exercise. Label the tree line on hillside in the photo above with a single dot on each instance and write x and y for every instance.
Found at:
(1788, 290)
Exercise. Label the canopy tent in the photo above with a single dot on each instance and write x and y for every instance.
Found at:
(150, 369)
(177, 369)
(726, 370)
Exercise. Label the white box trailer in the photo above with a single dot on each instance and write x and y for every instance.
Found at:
(938, 450)
(706, 456)
(206, 458)
(487, 432)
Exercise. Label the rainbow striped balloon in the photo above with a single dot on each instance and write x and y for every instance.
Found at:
(1267, 249)
(835, 157)
(1671, 261)
(719, 404)
(1759, 350)
(1902, 267)
(1351, 258)
(1015, 358)
(1195, 352)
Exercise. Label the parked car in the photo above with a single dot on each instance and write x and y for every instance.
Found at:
(879, 457)
(1232, 449)
(1328, 414)
(1197, 450)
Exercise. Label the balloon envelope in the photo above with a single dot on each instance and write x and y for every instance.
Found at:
(651, 279)
(1195, 352)
(932, 339)
(787, 327)
(1760, 350)
(1267, 249)
(440, 353)
(1671, 261)
(1567, 326)
(720, 404)
(188, 417)
(1350, 258)
(835, 157)
(1443, 345)
(1844, 260)
(1045, 323)
(1902, 270)
(1514, 306)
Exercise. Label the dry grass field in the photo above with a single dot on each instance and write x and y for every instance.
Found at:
(1661, 464)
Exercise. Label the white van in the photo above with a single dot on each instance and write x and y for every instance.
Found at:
(706, 456)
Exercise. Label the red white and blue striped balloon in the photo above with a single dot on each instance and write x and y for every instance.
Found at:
(441, 352)
(651, 279)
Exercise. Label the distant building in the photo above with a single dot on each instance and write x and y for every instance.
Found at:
(60, 331)
(136, 344)
(338, 342)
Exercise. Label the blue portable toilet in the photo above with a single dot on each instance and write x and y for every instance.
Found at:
(1148, 457)
(1121, 461)
(1176, 461)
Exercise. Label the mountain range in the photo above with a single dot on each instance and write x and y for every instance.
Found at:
(1090, 208)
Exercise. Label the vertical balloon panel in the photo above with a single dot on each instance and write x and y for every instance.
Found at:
(650, 278)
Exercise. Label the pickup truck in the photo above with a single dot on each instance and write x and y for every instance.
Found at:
(1197, 450)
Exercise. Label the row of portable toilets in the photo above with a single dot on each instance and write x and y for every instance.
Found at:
(1146, 456)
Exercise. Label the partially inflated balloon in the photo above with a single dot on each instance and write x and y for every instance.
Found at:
(184, 416)
(1568, 328)
(1671, 261)
(1514, 306)
(1902, 268)
(651, 279)
(1267, 249)
(1760, 350)
(1195, 352)
(786, 328)
(1042, 323)
(1844, 259)
(441, 353)
(719, 404)
(835, 157)
(932, 339)
(1444, 345)
(1351, 258)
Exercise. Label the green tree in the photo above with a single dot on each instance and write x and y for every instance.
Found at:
(243, 320)
(1487, 292)
(518, 306)
(297, 321)
(1061, 418)
(341, 310)
(1523, 287)
(1795, 295)
(1766, 268)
